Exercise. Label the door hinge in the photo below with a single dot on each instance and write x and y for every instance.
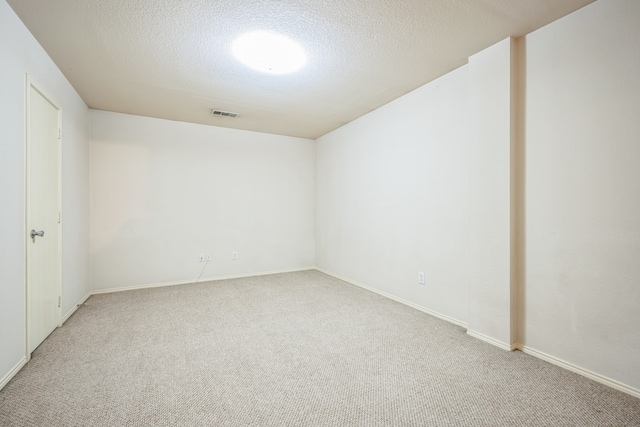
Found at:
(59, 298)
(59, 133)
(59, 217)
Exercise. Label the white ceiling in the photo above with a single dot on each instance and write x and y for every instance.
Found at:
(172, 58)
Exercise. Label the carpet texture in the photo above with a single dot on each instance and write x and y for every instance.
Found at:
(295, 349)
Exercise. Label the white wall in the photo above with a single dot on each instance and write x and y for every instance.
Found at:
(20, 54)
(582, 190)
(392, 198)
(163, 192)
(392, 195)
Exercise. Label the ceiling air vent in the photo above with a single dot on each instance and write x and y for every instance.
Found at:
(224, 113)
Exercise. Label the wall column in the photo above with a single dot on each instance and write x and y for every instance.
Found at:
(492, 290)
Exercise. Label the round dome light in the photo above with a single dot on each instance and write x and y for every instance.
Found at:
(269, 52)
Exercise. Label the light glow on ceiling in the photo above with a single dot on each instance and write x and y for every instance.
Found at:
(269, 52)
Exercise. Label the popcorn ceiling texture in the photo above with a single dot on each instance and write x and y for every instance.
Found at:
(295, 349)
(172, 59)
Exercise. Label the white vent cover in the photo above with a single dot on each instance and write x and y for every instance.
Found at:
(224, 113)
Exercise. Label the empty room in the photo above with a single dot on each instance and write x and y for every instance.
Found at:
(370, 213)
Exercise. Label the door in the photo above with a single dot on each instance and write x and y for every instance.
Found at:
(43, 217)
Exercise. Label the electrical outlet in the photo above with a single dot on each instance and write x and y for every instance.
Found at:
(234, 256)
(202, 257)
(208, 257)
(421, 277)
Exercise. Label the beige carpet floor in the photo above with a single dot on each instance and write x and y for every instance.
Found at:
(295, 349)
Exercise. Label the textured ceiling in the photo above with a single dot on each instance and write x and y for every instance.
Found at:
(172, 58)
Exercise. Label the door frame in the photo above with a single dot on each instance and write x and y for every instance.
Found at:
(29, 83)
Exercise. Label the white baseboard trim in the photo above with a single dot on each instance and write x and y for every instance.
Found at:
(12, 372)
(528, 350)
(397, 299)
(189, 282)
(581, 371)
(75, 307)
(535, 353)
(492, 341)
(66, 317)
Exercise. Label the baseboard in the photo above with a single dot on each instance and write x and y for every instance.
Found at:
(397, 299)
(188, 282)
(5, 380)
(75, 307)
(66, 317)
(492, 341)
(581, 371)
(528, 350)
(535, 353)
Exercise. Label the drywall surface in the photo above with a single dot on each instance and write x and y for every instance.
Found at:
(490, 90)
(164, 192)
(582, 241)
(21, 54)
(392, 198)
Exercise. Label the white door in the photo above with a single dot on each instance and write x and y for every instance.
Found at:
(43, 217)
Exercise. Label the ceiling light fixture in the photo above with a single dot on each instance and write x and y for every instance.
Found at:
(269, 52)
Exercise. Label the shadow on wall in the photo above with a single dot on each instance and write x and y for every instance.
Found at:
(519, 189)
